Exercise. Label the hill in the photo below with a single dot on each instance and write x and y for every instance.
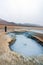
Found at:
(4, 22)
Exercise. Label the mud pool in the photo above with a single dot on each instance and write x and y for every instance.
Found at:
(26, 46)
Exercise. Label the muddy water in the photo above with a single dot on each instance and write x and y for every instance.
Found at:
(26, 46)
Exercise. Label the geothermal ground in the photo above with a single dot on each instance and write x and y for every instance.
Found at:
(8, 57)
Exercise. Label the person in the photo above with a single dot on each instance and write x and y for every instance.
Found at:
(5, 28)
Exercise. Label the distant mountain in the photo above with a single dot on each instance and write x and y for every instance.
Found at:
(28, 25)
(4, 22)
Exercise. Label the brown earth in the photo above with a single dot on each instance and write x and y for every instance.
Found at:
(8, 57)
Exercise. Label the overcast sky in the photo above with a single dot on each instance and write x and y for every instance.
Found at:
(22, 11)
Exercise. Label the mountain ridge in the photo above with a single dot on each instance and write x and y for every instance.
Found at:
(4, 22)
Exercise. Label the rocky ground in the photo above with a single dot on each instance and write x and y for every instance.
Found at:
(8, 57)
